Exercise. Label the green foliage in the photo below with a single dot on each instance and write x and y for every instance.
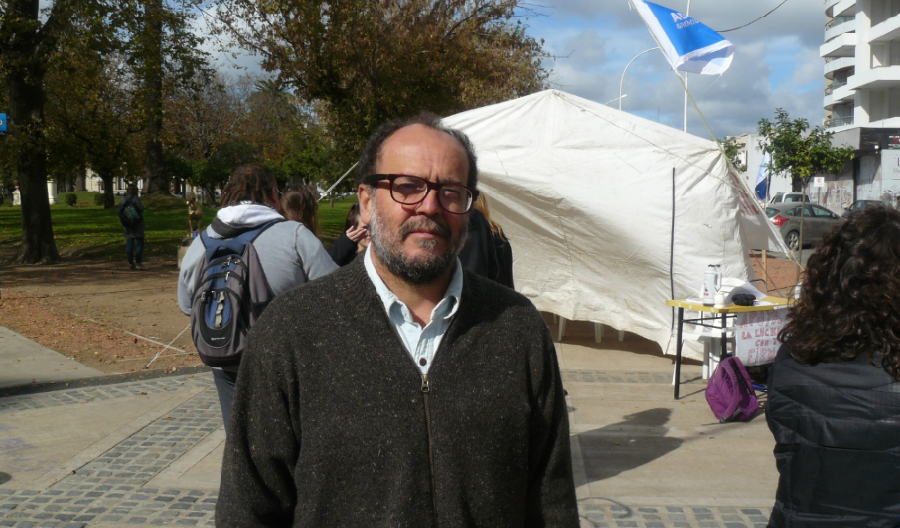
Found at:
(733, 153)
(800, 152)
(98, 199)
(71, 199)
(361, 63)
(2, 198)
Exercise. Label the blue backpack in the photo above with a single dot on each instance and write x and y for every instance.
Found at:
(230, 295)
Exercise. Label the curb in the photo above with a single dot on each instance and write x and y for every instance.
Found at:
(35, 388)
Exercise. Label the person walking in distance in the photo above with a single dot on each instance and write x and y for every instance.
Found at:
(401, 390)
(131, 214)
(288, 255)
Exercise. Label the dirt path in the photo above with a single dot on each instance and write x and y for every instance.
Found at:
(105, 316)
(100, 313)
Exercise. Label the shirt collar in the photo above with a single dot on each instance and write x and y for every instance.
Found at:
(446, 308)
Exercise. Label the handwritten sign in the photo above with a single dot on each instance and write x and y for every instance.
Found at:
(757, 336)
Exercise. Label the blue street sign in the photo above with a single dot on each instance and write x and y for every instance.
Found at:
(2, 123)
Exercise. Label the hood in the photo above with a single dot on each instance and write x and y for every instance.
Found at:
(241, 217)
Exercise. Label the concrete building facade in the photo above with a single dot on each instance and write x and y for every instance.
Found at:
(862, 94)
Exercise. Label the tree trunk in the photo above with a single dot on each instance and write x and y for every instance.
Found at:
(155, 164)
(210, 195)
(80, 181)
(796, 184)
(109, 198)
(26, 100)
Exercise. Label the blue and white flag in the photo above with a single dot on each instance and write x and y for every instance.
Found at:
(688, 45)
(762, 177)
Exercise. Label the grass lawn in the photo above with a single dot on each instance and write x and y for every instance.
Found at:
(96, 232)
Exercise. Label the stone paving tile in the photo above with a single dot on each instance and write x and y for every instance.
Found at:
(103, 392)
(606, 515)
(614, 376)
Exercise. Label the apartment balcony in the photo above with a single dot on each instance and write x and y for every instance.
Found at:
(837, 94)
(876, 78)
(844, 45)
(836, 122)
(834, 64)
(838, 26)
(829, 6)
(886, 31)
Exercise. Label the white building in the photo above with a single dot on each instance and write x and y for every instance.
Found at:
(862, 96)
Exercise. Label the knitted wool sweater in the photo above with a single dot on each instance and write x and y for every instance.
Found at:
(333, 425)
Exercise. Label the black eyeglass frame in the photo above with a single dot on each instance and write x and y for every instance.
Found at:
(372, 179)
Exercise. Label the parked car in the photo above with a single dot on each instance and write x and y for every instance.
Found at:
(785, 197)
(816, 222)
(859, 205)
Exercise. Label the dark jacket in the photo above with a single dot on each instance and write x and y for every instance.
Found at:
(480, 252)
(343, 251)
(331, 426)
(837, 428)
(138, 230)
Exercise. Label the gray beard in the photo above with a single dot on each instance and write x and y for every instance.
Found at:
(418, 271)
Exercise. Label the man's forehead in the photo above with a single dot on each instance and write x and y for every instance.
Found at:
(419, 143)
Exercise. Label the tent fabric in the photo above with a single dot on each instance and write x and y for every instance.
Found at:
(585, 195)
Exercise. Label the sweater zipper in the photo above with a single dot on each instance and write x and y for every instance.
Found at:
(426, 388)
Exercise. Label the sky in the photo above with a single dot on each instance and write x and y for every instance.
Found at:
(776, 61)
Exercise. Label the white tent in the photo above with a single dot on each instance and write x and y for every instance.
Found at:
(585, 194)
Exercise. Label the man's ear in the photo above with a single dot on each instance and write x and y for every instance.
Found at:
(366, 202)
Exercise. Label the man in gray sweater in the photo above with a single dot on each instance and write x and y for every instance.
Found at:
(401, 390)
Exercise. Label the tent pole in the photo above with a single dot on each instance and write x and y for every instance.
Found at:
(672, 250)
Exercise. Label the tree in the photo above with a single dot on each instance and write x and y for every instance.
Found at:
(201, 117)
(92, 116)
(800, 153)
(733, 153)
(368, 62)
(26, 47)
(164, 52)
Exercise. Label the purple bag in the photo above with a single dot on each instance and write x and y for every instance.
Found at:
(730, 393)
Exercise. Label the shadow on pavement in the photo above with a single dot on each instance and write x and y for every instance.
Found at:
(4, 478)
(626, 445)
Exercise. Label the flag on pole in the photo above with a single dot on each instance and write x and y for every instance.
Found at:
(688, 45)
(762, 177)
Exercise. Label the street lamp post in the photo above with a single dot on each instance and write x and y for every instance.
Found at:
(626, 69)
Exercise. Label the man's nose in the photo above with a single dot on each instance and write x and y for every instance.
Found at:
(430, 205)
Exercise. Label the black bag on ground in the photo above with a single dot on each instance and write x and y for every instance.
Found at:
(230, 294)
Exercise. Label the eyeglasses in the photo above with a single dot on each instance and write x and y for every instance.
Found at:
(411, 190)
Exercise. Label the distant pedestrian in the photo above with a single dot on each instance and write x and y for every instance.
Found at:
(301, 204)
(401, 390)
(131, 214)
(289, 253)
(834, 389)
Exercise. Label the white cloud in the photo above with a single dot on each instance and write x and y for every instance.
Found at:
(776, 61)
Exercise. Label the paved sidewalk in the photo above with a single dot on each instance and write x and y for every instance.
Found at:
(148, 453)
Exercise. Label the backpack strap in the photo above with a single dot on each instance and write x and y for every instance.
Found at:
(235, 244)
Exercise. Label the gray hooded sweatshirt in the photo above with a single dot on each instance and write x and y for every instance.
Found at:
(290, 255)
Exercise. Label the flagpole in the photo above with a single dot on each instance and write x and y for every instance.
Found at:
(687, 13)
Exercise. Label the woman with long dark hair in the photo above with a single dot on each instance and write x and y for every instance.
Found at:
(834, 396)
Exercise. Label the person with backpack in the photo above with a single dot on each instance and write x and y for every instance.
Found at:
(131, 214)
(246, 257)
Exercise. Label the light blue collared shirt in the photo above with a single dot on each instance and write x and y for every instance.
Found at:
(422, 343)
